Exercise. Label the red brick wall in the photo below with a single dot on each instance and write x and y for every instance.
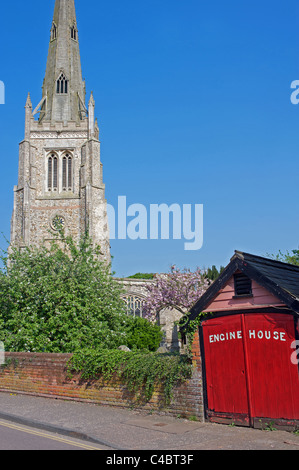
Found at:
(196, 355)
(47, 375)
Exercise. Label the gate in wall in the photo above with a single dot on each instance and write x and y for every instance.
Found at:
(250, 375)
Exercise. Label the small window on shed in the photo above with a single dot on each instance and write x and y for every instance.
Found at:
(243, 285)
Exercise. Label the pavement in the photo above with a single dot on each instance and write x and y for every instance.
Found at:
(121, 429)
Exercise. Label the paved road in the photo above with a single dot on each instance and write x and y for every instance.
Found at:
(118, 429)
(17, 437)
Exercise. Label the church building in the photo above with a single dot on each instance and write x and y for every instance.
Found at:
(60, 180)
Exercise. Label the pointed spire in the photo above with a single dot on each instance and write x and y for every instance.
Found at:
(28, 102)
(91, 100)
(91, 106)
(28, 116)
(63, 83)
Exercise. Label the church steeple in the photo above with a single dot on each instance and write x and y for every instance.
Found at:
(60, 169)
(63, 87)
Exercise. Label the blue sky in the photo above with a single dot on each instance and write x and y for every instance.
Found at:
(193, 102)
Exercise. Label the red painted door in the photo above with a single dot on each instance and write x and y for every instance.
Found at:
(274, 381)
(249, 372)
(226, 381)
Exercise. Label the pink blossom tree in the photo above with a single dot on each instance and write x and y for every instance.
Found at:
(179, 290)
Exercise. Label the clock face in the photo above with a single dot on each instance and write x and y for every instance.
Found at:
(58, 222)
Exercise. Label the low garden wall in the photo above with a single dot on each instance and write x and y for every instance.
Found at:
(47, 375)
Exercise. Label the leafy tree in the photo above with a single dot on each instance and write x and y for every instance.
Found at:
(212, 273)
(179, 290)
(142, 334)
(60, 299)
(291, 258)
(142, 276)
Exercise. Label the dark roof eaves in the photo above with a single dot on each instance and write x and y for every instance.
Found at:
(275, 263)
(287, 297)
(212, 291)
(241, 261)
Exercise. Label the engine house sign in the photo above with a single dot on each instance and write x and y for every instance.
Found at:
(252, 334)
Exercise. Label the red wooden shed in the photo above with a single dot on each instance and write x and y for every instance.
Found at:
(248, 343)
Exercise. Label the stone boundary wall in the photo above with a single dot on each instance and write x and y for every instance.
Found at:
(46, 375)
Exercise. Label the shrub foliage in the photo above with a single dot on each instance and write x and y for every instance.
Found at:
(62, 299)
(141, 371)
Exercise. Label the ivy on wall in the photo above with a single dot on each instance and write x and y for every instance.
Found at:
(142, 372)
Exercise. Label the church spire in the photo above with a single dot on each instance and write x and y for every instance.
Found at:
(60, 169)
(63, 88)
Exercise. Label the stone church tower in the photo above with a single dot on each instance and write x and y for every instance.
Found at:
(60, 173)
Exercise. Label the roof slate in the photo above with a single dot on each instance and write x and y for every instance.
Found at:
(281, 279)
(285, 276)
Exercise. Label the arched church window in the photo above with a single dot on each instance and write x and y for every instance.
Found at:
(52, 173)
(134, 305)
(53, 32)
(67, 173)
(62, 84)
(74, 33)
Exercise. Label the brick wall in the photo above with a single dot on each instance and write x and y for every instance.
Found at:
(47, 375)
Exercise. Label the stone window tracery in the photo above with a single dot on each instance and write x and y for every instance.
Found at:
(134, 304)
(58, 222)
(74, 33)
(53, 173)
(67, 173)
(60, 168)
(53, 32)
(62, 84)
